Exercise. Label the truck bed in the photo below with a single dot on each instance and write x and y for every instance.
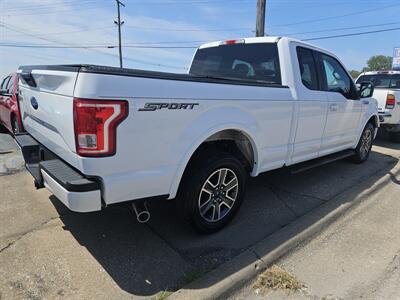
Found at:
(106, 70)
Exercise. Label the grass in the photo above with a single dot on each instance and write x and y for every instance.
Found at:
(162, 295)
(193, 275)
(276, 278)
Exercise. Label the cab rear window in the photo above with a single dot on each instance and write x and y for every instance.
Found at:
(391, 81)
(249, 62)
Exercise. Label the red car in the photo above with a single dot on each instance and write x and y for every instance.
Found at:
(9, 109)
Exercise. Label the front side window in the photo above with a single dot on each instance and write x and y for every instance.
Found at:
(249, 62)
(308, 69)
(336, 78)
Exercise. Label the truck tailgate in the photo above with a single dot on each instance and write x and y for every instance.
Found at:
(380, 95)
(46, 103)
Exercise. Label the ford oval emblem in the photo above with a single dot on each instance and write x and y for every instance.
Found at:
(34, 103)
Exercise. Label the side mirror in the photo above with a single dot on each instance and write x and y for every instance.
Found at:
(365, 89)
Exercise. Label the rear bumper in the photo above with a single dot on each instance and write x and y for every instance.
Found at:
(71, 187)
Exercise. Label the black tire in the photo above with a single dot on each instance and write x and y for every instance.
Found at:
(15, 126)
(193, 195)
(363, 149)
(394, 137)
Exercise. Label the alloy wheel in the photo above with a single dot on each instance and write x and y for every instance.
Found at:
(218, 195)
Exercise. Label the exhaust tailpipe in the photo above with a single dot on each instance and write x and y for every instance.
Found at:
(141, 211)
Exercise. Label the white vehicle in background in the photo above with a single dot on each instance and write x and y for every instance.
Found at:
(387, 93)
(98, 136)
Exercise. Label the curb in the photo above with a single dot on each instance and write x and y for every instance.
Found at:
(223, 280)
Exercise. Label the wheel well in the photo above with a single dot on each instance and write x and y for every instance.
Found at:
(374, 121)
(232, 141)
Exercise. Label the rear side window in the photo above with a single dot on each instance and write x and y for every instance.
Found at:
(308, 69)
(249, 62)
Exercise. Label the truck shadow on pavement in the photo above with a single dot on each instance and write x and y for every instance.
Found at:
(166, 253)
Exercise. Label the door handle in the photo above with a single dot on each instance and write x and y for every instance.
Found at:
(333, 107)
(365, 102)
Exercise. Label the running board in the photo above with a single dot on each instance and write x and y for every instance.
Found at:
(304, 166)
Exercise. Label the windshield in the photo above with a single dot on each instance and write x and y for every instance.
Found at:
(382, 80)
(249, 62)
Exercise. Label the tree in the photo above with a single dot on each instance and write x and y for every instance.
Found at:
(354, 73)
(379, 62)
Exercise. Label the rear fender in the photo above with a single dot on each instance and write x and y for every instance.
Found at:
(208, 124)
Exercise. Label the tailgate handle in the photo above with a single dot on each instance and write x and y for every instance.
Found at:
(28, 78)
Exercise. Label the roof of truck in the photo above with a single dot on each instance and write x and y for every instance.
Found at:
(388, 72)
(253, 40)
(264, 39)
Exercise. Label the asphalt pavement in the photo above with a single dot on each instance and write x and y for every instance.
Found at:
(49, 252)
(356, 257)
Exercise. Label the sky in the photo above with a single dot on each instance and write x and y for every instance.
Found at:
(162, 34)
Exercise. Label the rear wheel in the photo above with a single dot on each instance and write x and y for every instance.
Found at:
(213, 190)
(363, 149)
(394, 137)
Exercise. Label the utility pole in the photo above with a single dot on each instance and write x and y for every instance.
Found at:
(260, 21)
(119, 23)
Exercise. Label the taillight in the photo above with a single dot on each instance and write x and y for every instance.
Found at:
(95, 123)
(390, 101)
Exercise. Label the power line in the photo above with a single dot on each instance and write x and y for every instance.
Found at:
(188, 30)
(181, 47)
(351, 34)
(185, 2)
(66, 9)
(72, 46)
(73, 31)
(49, 6)
(93, 47)
(336, 17)
(341, 28)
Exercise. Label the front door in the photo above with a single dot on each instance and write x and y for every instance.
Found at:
(344, 107)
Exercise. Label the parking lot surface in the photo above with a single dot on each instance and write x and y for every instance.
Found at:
(47, 251)
(356, 257)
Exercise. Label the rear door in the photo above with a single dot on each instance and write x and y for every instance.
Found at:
(344, 106)
(311, 107)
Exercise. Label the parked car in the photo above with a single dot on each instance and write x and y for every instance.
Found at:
(9, 111)
(98, 136)
(387, 93)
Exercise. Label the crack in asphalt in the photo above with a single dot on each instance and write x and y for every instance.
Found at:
(27, 232)
(274, 191)
(273, 186)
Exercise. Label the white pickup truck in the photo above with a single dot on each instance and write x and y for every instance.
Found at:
(387, 93)
(98, 136)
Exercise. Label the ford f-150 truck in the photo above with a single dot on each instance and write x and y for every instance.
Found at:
(98, 136)
(387, 93)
